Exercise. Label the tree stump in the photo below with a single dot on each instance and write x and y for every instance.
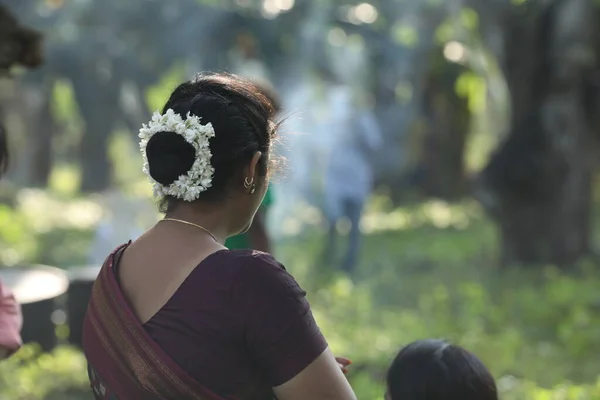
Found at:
(78, 297)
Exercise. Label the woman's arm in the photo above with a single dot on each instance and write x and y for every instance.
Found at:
(282, 336)
(10, 323)
(322, 379)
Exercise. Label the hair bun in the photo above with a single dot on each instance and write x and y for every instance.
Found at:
(169, 157)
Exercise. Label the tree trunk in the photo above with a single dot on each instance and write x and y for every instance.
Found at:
(537, 186)
(96, 169)
(448, 117)
(98, 101)
(45, 128)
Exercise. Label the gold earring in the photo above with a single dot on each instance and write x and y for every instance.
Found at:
(248, 182)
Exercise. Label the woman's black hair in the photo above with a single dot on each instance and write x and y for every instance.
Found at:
(436, 370)
(242, 115)
(3, 151)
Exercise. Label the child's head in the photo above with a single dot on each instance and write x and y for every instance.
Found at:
(437, 370)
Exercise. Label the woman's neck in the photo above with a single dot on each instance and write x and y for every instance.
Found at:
(212, 221)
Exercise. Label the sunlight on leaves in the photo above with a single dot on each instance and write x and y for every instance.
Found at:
(469, 19)
(405, 35)
(474, 88)
(64, 106)
(445, 32)
(55, 4)
(273, 8)
(124, 153)
(35, 376)
(404, 92)
(64, 179)
(455, 52)
(337, 37)
(157, 95)
(432, 280)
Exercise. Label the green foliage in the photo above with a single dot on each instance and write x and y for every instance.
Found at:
(474, 88)
(64, 105)
(426, 271)
(454, 26)
(43, 228)
(64, 180)
(158, 94)
(444, 33)
(469, 19)
(66, 114)
(404, 92)
(405, 35)
(30, 375)
(126, 158)
(435, 276)
(15, 237)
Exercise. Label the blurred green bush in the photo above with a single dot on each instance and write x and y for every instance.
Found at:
(42, 228)
(426, 271)
(30, 375)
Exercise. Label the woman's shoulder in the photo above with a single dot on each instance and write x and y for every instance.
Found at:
(255, 270)
(243, 259)
(234, 276)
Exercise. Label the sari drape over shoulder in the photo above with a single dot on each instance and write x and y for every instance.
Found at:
(124, 362)
(238, 326)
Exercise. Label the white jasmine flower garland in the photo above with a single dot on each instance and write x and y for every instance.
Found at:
(199, 178)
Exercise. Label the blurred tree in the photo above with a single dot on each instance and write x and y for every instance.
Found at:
(112, 52)
(41, 149)
(19, 45)
(537, 186)
(447, 116)
(400, 43)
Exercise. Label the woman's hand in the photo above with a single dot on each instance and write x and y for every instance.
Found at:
(343, 362)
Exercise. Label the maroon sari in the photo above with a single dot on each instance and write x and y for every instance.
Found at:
(123, 361)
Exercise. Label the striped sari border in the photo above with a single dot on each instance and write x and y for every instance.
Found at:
(119, 343)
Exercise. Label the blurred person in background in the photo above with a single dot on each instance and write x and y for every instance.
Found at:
(349, 176)
(19, 45)
(11, 319)
(177, 315)
(436, 370)
(121, 221)
(258, 237)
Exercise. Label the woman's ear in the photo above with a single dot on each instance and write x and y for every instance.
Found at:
(253, 166)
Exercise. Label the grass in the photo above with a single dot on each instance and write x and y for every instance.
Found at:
(426, 270)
